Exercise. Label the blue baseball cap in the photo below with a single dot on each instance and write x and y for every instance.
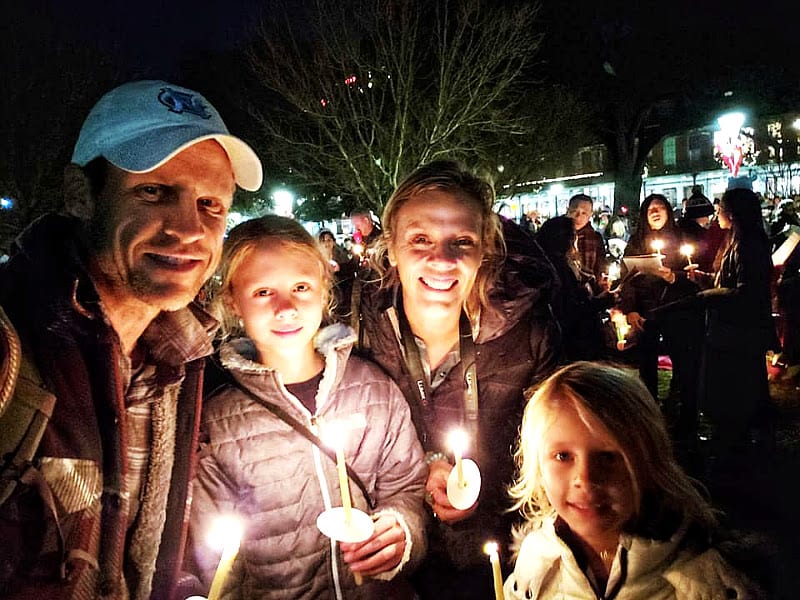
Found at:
(139, 126)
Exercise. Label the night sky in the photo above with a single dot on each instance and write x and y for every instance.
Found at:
(153, 38)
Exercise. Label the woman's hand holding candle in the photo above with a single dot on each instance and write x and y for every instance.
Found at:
(436, 487)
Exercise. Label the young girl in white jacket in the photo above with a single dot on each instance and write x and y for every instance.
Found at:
(610, 514)
(274, 288)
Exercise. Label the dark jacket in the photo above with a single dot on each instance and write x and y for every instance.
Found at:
(592, 251)
(515, 348)
(644, 292)
(741, 299)
(705, 242)
(47, 294)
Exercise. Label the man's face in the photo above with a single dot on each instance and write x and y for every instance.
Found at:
(580, 213)
(362, 223)
(157, 236)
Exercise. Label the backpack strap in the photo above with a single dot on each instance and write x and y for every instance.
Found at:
(25, 408)
(10, 354)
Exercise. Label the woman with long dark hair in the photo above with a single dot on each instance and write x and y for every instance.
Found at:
(739, 326)
(643, 299)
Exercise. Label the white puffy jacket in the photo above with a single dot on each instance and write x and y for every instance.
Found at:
(643, 569)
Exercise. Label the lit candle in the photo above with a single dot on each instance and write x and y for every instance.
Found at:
(687, 250)
(658, 246)
(458, 443)
(622, 327)
(334, 434)
(227, 533)
(491, 549)
(613, 272)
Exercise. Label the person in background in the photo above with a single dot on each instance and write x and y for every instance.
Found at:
(102, 299)
(591, 246)
(463, 334)
(694, 226)
(345, 269)
(734, 394)
(273, 301)
(609, 512)
(786, 219)
(367, 230)
(575, 307)
(646, 298)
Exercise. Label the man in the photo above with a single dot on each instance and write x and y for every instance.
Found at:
(366, 227)
(591, 248)
(102, 300)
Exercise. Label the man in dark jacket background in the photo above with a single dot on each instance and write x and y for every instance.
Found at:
(102, 301)
(591, 246)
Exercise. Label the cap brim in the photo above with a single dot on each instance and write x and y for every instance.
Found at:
(247, 170)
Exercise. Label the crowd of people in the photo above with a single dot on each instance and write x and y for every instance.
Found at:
(158, 375)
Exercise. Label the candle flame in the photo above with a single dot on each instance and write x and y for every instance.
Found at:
(657, 245)
(458, 441)
(490, 548)
(687, 249)
(334, 433)
(225, 532)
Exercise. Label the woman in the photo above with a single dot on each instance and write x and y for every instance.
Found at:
(575, 307)
(646, 299)
(450, 309)
(740, 328)
(344, 269)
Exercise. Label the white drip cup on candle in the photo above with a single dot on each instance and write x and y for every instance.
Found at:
(464, 481)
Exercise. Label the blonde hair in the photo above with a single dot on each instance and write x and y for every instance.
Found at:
(240, 243)
(448, 176)
(616, 399)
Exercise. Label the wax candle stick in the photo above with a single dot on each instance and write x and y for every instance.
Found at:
(226, 532)
(458, 441)
(497, 577)
(344, 483)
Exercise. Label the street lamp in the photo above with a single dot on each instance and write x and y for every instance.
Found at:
(284, 200)
(728, 141)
